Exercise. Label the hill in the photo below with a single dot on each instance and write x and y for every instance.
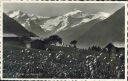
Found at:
(106, 31)
(10, 26)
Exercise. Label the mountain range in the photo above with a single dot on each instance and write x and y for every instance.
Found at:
(46, 26)
(88, 29)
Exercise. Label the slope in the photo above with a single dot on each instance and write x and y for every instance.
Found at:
(13, 27)
(106, 31)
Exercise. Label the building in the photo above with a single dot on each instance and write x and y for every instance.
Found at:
(38, 44)
(115, 47)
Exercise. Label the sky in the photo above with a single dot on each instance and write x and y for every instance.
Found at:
(56, 9)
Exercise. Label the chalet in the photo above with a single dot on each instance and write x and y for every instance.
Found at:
(115, 47)
(38, 44)
(33, 42)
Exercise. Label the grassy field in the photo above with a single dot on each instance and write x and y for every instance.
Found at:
(20, 62)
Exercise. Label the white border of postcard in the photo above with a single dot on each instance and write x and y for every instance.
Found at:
(39, 1)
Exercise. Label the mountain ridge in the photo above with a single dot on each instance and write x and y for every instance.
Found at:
(11, 26)
(110, 30)
(51, 25)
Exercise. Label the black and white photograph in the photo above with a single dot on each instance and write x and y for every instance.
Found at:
(64, 40)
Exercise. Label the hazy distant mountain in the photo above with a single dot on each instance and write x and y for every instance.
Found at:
(13, 28)
(108, 30)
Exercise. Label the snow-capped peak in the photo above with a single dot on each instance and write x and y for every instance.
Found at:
(13, 14)
(75, 13)
(99, 15)
(119, 44)
(102, 15)
(19, 14)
